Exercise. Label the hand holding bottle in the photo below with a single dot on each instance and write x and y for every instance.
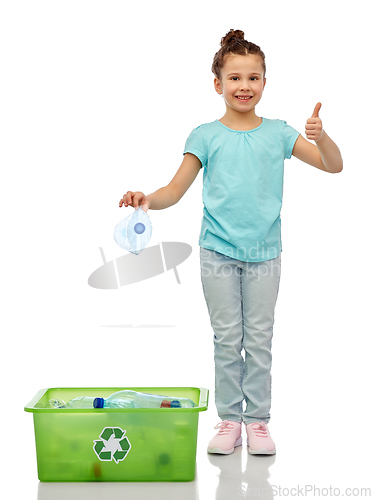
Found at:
(135, 199)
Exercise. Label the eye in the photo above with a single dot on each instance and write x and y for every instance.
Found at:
(234, 78)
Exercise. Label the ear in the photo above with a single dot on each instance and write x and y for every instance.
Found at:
(217, 86)
(264, 82)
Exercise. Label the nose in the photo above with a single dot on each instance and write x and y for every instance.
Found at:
(245, 85)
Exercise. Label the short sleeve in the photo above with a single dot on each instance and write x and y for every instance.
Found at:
(196, 144)
(289, 137)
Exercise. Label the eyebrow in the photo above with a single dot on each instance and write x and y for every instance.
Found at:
(236, 73)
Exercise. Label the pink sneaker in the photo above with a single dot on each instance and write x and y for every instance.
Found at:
(228, 438)
(259, 440)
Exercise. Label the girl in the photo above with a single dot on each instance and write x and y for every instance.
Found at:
(242, 156)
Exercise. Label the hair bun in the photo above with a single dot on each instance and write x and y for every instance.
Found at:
(237, 34)
(234, 43)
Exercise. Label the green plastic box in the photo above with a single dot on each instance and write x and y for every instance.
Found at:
(116, 444)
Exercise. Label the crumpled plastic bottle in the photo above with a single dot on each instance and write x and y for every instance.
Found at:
(134, 232)
(55, 403)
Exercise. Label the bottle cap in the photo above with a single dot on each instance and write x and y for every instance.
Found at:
(139, 228)
(99, 403)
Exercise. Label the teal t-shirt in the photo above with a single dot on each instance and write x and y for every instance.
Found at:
(242, 187)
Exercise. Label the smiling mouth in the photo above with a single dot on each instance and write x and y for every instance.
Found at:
(243, 98)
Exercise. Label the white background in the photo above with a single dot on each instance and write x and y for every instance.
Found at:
(98, 98)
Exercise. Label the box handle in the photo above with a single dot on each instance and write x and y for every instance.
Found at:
(204, 395)
(30, 406)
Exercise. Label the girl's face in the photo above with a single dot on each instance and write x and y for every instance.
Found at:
(242, 82)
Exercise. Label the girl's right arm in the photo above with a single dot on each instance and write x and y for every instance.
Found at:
(169, 195)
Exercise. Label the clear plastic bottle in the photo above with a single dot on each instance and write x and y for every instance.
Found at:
(81, 402)
(134, 232)
(133, 399)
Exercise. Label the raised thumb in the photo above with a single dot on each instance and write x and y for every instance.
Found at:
(316, 110)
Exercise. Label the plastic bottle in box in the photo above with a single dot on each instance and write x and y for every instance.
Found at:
(81, 402)
(133, 399)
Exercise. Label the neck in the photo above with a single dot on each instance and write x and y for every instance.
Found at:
(240, 121)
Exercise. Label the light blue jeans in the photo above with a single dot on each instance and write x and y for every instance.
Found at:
(241, 298)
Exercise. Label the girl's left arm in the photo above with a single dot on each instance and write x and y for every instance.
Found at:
(325, 155)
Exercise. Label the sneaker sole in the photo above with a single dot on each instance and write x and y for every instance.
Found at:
(261, 451)
(238, 442)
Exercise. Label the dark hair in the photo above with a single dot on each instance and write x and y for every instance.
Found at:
(234, 43)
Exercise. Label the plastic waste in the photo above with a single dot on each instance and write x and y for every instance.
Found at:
(55, 403)
(133, 399)
(134, 232)
(81, 402)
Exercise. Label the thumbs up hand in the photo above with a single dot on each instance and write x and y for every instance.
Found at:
(314, 127)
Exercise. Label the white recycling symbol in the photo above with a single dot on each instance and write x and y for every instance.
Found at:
(112, 445)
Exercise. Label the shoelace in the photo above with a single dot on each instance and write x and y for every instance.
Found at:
(224, 427)
(259, 429)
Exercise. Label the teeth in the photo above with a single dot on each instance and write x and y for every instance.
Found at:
(244, 98)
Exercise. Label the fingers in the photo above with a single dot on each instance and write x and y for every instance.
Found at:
(129, 198)
(313, 129)
(132, 199)
(126, 199)
(312, 137)
(314, 126)
(313, 121)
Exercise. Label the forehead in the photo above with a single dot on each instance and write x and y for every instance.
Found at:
(250, 63)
